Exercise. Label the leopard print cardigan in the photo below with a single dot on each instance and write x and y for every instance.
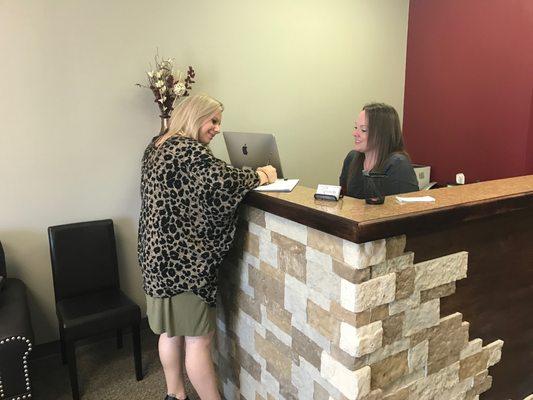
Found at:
(188, 217)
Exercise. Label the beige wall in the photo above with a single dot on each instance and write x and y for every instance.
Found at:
(73, 125)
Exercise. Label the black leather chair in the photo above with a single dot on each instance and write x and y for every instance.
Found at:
(87, 293)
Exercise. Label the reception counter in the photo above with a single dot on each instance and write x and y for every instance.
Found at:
(344, 300)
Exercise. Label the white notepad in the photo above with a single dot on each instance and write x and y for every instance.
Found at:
(281, 185)
(423, 199)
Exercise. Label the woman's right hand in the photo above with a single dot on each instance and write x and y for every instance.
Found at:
(267, 174)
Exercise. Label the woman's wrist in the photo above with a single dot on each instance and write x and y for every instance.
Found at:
(263, 177)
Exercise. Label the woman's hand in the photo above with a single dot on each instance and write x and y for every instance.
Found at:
(267, 174)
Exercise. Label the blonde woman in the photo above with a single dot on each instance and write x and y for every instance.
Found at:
(186, 227)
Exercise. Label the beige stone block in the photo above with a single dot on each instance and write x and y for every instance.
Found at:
(395, 246)
(439, 271)
(259, 397)
(355, 319)
(351, 362)
(400, 394)
(293, 264)
(288, 390)
(418, 356)
(386, 371)
(436, 293)
(402, 305)
(287, 243)
(431, 387)
(360, 341)
(425, 316)
(267, 283)
(379, 313)
(352, 384)
(405, 283)
(392, 328)
(447, 339)
(276, 354)
(251, 366)
(363, 255)
(482, 383)
(254, 215)
(473, 364)
(472, 347)
(251, 244)
(393, 265)
(494, 351)
(248, 305)
(369, 294)
(437, 365)
(350, 273)
(325, 243)
(279, 316)
(319, 393)
(322, 321)
(374, 395)
(388, 351)
(306, 348)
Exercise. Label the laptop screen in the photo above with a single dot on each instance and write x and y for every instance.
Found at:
(253, 150)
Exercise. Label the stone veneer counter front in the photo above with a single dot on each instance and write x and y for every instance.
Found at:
(307, 313)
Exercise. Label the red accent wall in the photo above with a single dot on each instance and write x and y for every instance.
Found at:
(468, 103)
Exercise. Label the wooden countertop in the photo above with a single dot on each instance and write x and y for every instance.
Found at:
(354, 220)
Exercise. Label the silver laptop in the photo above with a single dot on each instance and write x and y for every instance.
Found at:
(253, 150)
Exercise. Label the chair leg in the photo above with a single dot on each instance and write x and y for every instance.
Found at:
(62, 345)
(72, 370)
(136, 336)
(119, 338)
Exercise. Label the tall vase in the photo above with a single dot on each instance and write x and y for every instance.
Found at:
(164, 124)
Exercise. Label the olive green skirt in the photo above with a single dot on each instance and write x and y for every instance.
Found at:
(185, 314)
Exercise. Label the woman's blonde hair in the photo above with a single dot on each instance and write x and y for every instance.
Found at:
(189, 115)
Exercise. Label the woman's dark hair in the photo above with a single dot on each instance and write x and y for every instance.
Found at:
(384, 133)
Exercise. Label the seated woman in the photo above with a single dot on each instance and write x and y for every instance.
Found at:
(378, 148)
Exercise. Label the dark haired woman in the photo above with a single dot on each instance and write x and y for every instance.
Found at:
(378, 148)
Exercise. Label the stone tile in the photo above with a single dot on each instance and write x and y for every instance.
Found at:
(251, 244)
(276, 354)
(352, 384)
(402, 305)
(355, 319)
(400, 394)
(267, 283)
(379, 313)
(296, 294)
(374, 395)
(306, 348)
(322, 320)
(393, 265)
(386, 371)
(360, 341)
(405, 283)
(369, 294)
(392, 328)
(254, 215)
(286, 227)
(248, 363)
(418, 356)
(279, 316)
(447, 339)
(261, 232)
(350, 362)
(321, 279)
(482, 383)
(268, 253)
(319, 393)
(325, 243)
(395, 246)
(439, 271)
(363, 255)
(494, 351)
(437, 292)
(474, 346)
(433, 385)
(425, 316)
(293, 264)
(350, 273)
(473, 364)
(248, 305)
(388, 351)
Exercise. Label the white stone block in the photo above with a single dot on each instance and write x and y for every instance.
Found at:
(352, 384)
(425, 316)
(360, 341)
(244, 279)
(319, 258)
(230, 390)
(439, 271)
(262, 233)
(434, 385)
(285, 227)
(270, 383)
(251, 260)
(495, 352)
(369, 294)
(387, 351)
(418, 356)
(245, 331)
(296, 294)
(268, 252)
(323, 280)
(364, 254)
(300, 379)
(248, 385)
(319, 299)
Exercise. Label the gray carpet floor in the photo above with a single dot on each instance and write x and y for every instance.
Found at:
(104, 373)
